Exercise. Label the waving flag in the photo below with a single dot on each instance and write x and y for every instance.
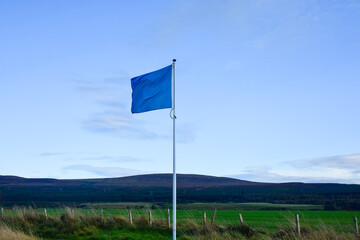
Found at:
(152, 91)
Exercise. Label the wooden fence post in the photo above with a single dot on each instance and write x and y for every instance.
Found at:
(130, 217)
(168, 218)
(297, 224)
(356, 228)
(213, 217)
(150, 220)
(101, 216)
(241, 219)
(23, 211)
(2, 212)
(45, 213)
(204, 218)
(72, 213)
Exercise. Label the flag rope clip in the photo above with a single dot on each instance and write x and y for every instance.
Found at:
(172, 115)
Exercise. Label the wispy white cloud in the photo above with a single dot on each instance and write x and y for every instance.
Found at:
(119, 124)
(344, 167)
(303, 19)
(337, 169)
(49, 154)
(116, 119)
(265, 174)
(106, 158)
(104, 171)
(110, 89)
(92, 157)
(349, 161)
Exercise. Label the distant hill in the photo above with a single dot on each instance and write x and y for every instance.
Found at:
(150, 180)
(158, 188)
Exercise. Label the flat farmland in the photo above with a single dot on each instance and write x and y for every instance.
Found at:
(268, 221)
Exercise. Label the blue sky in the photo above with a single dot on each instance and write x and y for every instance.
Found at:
(266, 90)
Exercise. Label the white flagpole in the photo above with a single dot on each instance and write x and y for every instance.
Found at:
(174, 148)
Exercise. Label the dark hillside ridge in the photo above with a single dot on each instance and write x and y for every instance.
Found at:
(183, 181)
(150, 180)
(157, 188)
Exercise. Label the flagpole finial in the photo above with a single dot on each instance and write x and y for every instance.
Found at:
(174, 60)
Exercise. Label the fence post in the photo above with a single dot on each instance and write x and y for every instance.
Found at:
(297, 224)
(45, 213)
(72, 213)
(101, 216)
(204, 218)
(150, 220)
(213, 217)
(2, 212)
(241, 219)
(356, 228)
(130, 217)
(23, 211)
(168, 218)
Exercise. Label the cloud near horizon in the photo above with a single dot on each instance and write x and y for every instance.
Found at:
(349, 161)
(334, 169)
(104, 171)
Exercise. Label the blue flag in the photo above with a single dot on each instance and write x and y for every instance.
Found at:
(152, 91)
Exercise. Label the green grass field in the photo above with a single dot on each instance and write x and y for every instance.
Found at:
(263, 220)
(229, 206)
(263, 224)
